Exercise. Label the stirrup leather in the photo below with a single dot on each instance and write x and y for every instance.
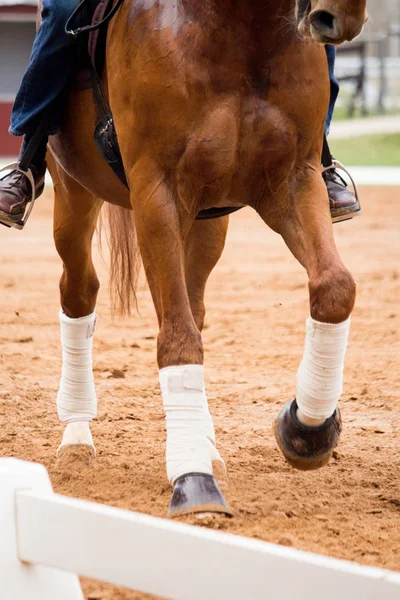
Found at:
(28, 173)
(338, 165)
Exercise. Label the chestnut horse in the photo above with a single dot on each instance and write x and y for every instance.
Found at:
(216, 103)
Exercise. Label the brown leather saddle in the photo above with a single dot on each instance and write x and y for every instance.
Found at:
(92, 40)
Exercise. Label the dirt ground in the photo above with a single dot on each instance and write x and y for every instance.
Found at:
(257, 305)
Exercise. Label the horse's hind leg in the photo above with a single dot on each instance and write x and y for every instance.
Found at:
(190, 430)
(75, 216)
(308, 429)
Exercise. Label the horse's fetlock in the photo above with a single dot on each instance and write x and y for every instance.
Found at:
(179, 345)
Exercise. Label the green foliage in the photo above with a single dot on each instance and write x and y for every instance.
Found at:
(373, 150)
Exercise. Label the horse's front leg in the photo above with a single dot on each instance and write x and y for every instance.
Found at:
(203, 248)
(191, 448)
(308, 428)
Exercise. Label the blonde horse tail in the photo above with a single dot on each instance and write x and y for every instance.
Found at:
(125, 259)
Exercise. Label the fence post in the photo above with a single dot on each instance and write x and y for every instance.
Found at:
(20, 580)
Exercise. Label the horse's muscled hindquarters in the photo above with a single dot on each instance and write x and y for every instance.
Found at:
(214, 102)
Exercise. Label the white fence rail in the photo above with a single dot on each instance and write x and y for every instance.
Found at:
(52, 533)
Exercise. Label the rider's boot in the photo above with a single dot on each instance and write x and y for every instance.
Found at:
(343, 203)
(16, 189)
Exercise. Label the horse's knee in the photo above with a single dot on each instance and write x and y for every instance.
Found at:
(78, 295)
(332, 296)
(87, 284)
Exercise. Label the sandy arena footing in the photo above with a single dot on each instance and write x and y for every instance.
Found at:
(257, 303)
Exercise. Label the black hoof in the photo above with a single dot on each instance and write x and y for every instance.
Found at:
(197, 493)
(306, 448)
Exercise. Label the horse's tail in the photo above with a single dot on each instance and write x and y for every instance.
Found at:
(124, 258)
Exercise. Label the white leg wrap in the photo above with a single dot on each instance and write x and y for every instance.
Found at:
(76, 399)
(320, 376)
(190, 430)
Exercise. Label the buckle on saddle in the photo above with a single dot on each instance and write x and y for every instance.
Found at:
(338, 165)
(20, 224)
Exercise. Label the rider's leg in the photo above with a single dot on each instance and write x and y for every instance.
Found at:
(39, 103)
(343, 203)
(331, 57)
(49, 70)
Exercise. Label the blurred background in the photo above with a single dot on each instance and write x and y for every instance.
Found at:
(366, 130)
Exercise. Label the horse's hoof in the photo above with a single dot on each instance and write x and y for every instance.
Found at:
(75, 456)
(77, 433)
(197, 493)
(306, 448)
(77, 448)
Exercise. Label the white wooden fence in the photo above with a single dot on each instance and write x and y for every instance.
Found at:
(47, 540)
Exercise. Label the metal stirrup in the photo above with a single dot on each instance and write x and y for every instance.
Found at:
(28, 173)
(338, 165)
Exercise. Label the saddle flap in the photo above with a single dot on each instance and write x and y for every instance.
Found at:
(97, 37)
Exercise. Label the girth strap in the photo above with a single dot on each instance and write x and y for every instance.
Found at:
(215, 213)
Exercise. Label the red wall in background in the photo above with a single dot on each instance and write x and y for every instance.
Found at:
(19, 9)
(9, 145)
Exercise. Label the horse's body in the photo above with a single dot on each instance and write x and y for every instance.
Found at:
(246, 109)
(216, 103)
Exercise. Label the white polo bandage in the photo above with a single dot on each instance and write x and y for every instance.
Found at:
(76, 399)
(190, 430)
(320, 375)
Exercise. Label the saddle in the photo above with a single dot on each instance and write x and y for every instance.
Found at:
(92, 43)
(93, 40)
